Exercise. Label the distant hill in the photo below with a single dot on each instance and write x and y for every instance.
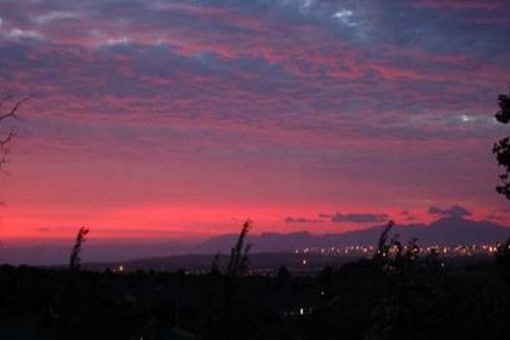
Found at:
(58, 254)
(446, 231)
(270, 250)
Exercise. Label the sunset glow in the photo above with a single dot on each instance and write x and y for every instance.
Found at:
(152, 119)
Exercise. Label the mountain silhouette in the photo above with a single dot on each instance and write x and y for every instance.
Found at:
(445, 231)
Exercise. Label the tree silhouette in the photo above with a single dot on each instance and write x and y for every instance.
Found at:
(74, 260)
(382, 248)
(6, 114)
(502, 148)
(239, 260)
(8, 111)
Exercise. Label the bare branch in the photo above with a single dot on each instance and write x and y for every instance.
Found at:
(14, 109)
(5, 99)
(11, 113)
(7, 139)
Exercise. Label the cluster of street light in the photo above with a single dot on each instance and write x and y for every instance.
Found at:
(364, 250)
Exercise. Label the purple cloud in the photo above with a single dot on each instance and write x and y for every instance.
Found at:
(359, 218)
(453, 211)
(301, 220)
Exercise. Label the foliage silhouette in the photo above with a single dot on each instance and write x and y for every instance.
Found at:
(393, 255)
(283, 273)
(239, 260)
(383, 249)
(215, 265)
(353, 301)
(74, 259)
(502, 260)
(502, 148)
(502, 253)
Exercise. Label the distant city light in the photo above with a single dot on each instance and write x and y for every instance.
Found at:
(368, 251)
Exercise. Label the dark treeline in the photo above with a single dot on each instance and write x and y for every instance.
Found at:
(398, 294)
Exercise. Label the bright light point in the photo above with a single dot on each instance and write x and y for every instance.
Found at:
(466, 119)
(54, 15)
(22, 34)
(305, 5)
(344, 13)
(345, 17)
(304, 262)
(301, 311)
(121, 41)
(308, 3)
(479, 119)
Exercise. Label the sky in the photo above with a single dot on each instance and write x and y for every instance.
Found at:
(156, 119)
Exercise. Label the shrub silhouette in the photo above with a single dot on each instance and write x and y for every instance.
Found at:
(502, 260)
(283, 272)
(393, 255)
(502, 253)
(215, 265)
(502, 148)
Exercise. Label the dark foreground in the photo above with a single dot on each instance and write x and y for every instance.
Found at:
(369, 299)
